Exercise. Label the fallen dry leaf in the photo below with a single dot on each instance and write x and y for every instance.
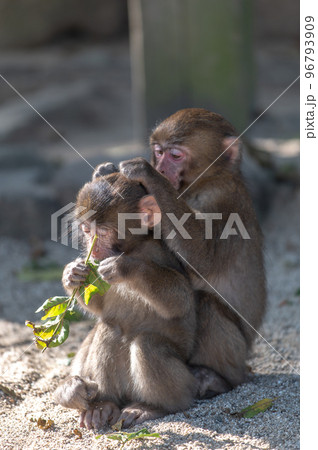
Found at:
(118, 425)
(256, 408)
(77, 433)
(44, 424)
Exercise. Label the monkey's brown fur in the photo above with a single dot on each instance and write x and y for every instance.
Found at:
(228, 276)
(132, 365)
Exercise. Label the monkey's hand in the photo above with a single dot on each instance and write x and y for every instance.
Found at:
(137, 169)
(76, 392)
(115, 269)
(74, 274)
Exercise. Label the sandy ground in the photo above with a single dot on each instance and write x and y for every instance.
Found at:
(208, 424)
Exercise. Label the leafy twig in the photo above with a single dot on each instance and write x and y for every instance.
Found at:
(59, 310)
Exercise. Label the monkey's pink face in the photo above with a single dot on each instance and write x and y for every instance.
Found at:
(170, 162)
(105, 245)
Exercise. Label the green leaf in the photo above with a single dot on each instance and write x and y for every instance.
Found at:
(125, 437)
(115, 437)
(69, 315)
(55, 311)
(62, 334)
(51, 322)
(141, 434)
(256, 408)
(54, 329)
(43, 335)
(93, 284)
(29, 324)
(37, 329)
(73, 316)
(88, 292)
(52, 301)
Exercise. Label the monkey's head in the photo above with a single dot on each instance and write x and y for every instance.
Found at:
(192, 140)
(107, 206)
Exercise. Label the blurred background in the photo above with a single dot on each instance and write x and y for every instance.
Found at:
(102, 73)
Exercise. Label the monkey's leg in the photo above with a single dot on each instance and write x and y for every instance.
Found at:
(79, 393)
(161, 382)
(79, 389)
(91, 389)
(219, 361)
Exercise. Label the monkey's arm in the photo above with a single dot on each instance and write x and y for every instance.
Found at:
(190, 244)
(166, 289)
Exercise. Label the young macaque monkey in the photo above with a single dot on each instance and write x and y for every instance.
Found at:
(195, 168)
(132, 365)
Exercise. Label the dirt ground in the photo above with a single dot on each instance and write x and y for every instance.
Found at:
(208, 424)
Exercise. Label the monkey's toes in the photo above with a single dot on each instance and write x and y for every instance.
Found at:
(210, 383)
(100, 416)
(136, 414)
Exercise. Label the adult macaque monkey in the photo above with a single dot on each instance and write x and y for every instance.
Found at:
(195, 167)
(132, 365)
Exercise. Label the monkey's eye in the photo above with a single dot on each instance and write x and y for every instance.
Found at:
(158, 151)
(175, 153)
(85, 228)
(102, 231)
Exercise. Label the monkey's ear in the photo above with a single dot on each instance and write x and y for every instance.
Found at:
(151, 214)
(233, 149)
(104, 169)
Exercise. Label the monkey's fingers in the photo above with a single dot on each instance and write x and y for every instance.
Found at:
(104, 169)
(79, 269)
(135, 169)
(99, 416)
(209, 383)
(108, 413)
(114, 415)
(97, 419)
(74, 281)
(137, 413)
(128, 416)
(109, 270)
(86, 419)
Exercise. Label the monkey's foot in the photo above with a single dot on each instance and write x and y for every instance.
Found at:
(210, 383)
(137, 413)
(99, 415)
(76, 392)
